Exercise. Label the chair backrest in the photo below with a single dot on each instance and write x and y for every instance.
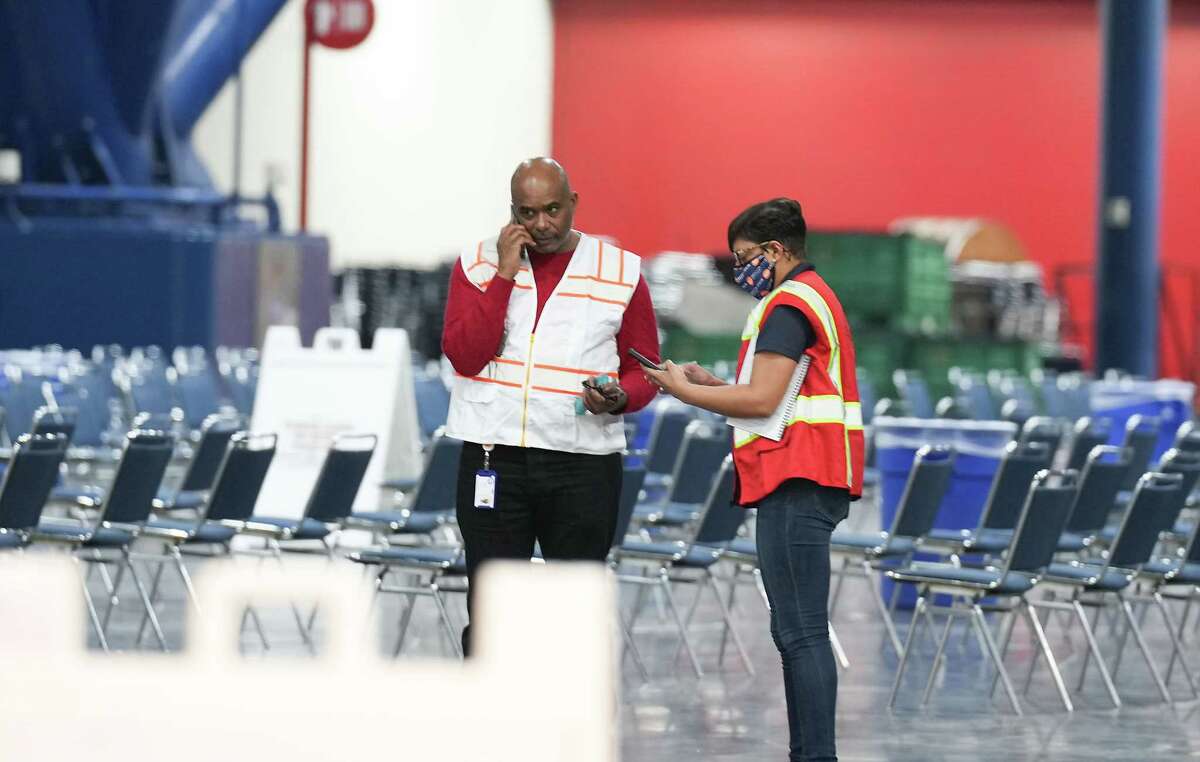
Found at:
(1187, 438)
(704, 447)
(720, 518)
(199, 395)
(1150, 513)
(1089, 433)
(1010, 487)
(151, 392)
(215, 433)
(666, 436)
(1043, 517)
(974, 397)
(923, 492)
(144, 460)
(60, 421)
(438, 488)
(31, 474)
(242, 382)
(240, 477)
(433, 402)
(631, 488)
(1191, 554)
(341, 475)
(85, 394)
(22, 399)
(1141, 436)
(868, 396)
(913, 389)
(1187, 465)
(1043, 429)
(1103, 473)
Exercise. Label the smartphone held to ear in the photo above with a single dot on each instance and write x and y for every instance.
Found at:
(646, 362)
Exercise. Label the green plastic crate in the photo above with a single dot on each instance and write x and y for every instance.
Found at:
(878, 354)
(935, 357)
(899, 282)
(683, 346)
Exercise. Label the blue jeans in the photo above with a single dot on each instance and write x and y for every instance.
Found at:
(794, 524)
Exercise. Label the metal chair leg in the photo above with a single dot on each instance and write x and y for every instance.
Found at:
(665, 585)
(918, 612)
(1094, 650)
(840, 573)
(154, 584)
(1182, 635)
(937, 658)
(149, 607)
(1176, 645)
(1040, 634)
(981, 623)
(631, 647)
(839, 653)
(1141, 643)
(409, 603)
(113, 601)
(1087, 655)
(877, 596)
(733, 583)
(444, 616)
(91, 608)
(729, 626)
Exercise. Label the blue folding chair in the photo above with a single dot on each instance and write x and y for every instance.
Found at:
(690, 562)
(215, 433)
(914, 391)
(25, 486)
(125, 509)
(431, 503)
(199, 396)
(1086, 435)
(917, 510)
(1103, 473)
(1103, 584)
(699, 457)
(662, 447)
(1177, 579)
(1043, 515)
(1010, 486)
(1141, 437)
(225, 509)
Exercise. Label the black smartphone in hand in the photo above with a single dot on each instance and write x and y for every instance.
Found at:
(645, 361)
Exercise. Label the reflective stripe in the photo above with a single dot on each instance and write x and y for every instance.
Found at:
(820, 409)
(814, 300)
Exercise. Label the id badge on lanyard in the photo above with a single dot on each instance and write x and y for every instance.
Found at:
(485, 482)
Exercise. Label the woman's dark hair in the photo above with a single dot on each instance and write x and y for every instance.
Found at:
(779, 219)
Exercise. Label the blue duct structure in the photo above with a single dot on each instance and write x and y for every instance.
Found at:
(1127, 280)
(115, 232)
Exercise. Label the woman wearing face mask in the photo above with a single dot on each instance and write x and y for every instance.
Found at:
(802, 485)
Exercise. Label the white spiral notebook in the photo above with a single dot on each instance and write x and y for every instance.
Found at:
(773, 426)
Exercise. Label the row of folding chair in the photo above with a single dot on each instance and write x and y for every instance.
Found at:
(1085, 534)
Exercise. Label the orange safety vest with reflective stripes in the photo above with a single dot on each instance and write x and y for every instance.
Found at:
(824, 440)
(526, 395)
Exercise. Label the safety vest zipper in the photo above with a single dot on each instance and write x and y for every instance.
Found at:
(525, 404)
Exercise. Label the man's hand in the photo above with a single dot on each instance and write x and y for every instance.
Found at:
(513, 238)
(610, 398)
(698, 375)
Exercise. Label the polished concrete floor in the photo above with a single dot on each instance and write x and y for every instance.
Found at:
(730, 715)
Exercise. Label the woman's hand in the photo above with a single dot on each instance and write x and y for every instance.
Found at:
(698, 375)
(671, 379)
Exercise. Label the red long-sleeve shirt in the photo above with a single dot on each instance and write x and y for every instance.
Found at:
(474, 324)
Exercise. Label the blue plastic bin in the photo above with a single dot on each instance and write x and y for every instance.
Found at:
(1168, 400)
(979, 446)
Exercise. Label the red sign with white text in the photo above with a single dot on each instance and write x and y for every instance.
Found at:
(339, 24)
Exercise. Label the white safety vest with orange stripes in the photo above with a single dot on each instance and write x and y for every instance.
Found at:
(526, 395)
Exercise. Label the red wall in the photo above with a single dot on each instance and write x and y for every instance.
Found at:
(673, 115)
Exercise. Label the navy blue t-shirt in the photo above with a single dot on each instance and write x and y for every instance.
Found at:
(787, 331)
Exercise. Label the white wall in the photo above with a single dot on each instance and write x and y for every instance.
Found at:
(413, 134)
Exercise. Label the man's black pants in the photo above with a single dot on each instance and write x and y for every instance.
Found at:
(567, 502)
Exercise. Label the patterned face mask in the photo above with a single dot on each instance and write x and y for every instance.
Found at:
(756, 277)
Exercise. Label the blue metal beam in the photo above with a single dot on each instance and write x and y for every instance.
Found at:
(1127, 273)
